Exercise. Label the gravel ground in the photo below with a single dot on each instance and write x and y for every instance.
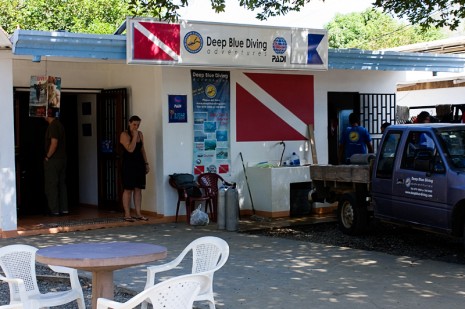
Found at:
(381, 237)
(390, 239)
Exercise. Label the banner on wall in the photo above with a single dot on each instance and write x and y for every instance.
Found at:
(211, 107)
(190, 43)
(44, 96)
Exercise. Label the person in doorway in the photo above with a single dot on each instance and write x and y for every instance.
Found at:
(384, 126)
(355, 139)
(55, 165)
(134, 169)
(425, 140)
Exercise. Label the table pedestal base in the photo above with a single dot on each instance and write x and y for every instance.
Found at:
(102, 285)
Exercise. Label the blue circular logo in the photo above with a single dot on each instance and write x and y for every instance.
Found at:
(279, 45)
(193, 42)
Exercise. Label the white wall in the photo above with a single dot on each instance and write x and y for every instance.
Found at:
(8, 215)
(88, 175)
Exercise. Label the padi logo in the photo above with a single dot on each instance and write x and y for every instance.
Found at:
(193, 42)
(279, 47)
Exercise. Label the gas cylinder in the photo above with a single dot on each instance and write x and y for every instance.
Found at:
(221, 211)
(232, 209)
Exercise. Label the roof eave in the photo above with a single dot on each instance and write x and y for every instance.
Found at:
(67, 44)
(113, 47)
(350, 59)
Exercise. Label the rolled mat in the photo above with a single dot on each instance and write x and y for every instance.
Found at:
(361, 159)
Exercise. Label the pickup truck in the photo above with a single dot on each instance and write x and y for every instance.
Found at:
(417, 178)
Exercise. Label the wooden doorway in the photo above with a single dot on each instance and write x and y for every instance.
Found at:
(111, 121)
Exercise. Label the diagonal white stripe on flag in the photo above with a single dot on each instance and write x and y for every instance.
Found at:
(156, 41)
(272, 104)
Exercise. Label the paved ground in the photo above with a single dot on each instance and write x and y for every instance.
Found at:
(265, 272)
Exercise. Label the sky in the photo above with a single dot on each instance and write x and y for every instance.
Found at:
(314, 15)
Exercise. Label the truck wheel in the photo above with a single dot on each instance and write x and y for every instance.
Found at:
(352, 217)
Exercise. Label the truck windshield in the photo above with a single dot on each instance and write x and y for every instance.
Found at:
(453, 142)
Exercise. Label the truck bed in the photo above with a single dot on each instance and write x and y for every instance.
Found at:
(341, 173)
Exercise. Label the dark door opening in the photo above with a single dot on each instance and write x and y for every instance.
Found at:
(30, 152)
(338, 102)
(374, 109)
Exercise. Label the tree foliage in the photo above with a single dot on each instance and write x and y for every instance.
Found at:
(426, 13)
(374, 30)
(84, 16)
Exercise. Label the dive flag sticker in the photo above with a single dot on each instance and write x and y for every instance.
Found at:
(314, 41)
(156, 41)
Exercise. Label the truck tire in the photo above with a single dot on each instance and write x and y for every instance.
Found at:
(352, 216)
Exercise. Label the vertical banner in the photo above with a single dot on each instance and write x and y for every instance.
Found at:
(211, 99)
(45, 94)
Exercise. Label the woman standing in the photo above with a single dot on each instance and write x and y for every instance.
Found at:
(134, 169)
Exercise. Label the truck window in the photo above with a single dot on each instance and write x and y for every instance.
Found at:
(454, 147)
(419, 152)
(387, 155)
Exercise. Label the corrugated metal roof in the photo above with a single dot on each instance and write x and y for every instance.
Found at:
(454, 45)
(113, 47)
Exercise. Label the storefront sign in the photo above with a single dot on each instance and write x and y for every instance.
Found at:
(211, 98)
(226, 45)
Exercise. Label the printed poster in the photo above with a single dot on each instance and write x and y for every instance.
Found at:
(45, 94)
(211, 100)
(177, 108)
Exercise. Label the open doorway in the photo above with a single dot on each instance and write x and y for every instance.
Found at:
(88, 118)
(30, 152)
(340, 105)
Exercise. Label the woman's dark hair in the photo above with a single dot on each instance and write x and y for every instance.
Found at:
(134, 118)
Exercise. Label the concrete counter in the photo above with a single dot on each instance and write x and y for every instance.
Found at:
(270, 188)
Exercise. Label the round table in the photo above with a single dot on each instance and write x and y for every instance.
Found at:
(101, 259)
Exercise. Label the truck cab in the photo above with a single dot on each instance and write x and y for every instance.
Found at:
(418, 177)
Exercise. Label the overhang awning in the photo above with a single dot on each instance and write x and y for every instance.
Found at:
(66, 44)
(113, 47)
(355, 59)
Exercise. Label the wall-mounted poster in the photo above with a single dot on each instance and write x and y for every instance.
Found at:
(211, 99)
(45, 94)
(177, 108)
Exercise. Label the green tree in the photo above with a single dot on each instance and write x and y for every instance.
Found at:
(426, 13)
(374, 30)
(84, 16)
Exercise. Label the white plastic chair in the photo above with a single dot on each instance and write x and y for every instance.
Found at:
(14, 306)
(209, 254)
(176, 293)
(18, 263)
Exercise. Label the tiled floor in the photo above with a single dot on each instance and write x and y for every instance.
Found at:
(91, 218)
(85, 218)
